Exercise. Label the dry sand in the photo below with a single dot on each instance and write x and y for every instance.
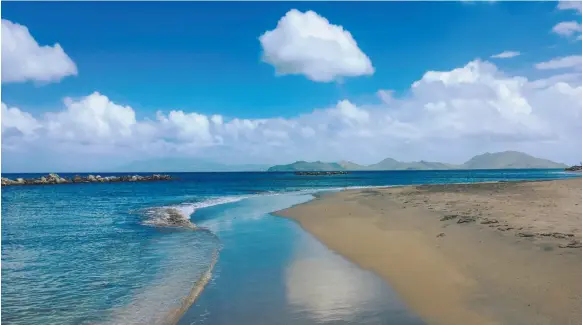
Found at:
(464, 254)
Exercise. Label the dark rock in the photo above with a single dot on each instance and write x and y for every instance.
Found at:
(487, 221)
(504, 228)
(442, 234)
(449, 217)
(466, 219)
(574, 168)
(525, 234)
(555, 234)
(574, 243)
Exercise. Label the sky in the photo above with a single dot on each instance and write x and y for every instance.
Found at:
(93, 85)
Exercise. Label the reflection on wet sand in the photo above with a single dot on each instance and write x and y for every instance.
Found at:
(326, 288)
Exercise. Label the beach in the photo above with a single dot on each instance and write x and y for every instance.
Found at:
(128, 254)
(489, 253)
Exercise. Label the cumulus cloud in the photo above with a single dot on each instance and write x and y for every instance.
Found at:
(23, 59)
(445, 115)
(506, 55)
(16, 121)
(308, 44)
(568, 62)
(567, 28)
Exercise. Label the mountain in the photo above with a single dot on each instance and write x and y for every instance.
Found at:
(509, 159)
(499, 160)
(170, 165)
(348, 165)
(392, 164)
(306, 166)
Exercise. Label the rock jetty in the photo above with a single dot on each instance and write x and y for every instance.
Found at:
(56, 179)
(574, 168)
(321, 173)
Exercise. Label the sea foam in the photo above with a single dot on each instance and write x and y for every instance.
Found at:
(179, 215)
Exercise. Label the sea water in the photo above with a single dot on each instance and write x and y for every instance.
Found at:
(141, 253)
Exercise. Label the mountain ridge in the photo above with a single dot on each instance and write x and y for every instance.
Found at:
(497, 160)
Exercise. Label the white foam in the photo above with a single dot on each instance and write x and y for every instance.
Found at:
(179, 215)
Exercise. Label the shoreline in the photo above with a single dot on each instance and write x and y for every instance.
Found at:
(477, 267)
(173, 317)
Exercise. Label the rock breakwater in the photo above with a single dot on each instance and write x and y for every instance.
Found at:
(56, 179)
(321, 173)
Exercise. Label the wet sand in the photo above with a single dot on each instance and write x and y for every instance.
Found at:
(490, 253)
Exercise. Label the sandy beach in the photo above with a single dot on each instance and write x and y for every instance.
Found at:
(490, 253)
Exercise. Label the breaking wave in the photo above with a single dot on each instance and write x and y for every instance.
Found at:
(179, 215)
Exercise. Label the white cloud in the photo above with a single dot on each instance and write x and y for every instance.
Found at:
(350, 113)
(15, 120)
(567, 62)
(91, 119)
(506, 55)
(446, 115)
(23, 59)
(569, 78)
(570, 5)
(567, 28)
(187, 127)
(308, 44)
(387, 96)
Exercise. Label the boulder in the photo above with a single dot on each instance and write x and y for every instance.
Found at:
(56, 179)
(61, 180)
(7, 181)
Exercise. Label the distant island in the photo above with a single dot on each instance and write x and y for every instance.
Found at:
(498, 160)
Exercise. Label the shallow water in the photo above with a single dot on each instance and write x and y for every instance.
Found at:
(125, 253)
(272, 271)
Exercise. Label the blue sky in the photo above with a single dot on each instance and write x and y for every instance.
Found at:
(206, 57)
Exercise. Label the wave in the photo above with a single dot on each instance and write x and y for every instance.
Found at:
(179, 215)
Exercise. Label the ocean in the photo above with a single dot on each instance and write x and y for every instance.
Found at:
(127, 253)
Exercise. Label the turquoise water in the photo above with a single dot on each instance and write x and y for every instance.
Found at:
(112, 254)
